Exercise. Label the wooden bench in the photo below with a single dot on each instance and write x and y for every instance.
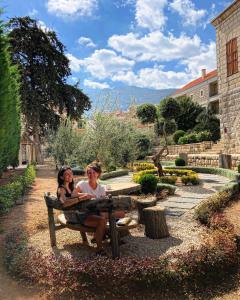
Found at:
(119, 202)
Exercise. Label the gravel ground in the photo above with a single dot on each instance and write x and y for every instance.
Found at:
(184, 233)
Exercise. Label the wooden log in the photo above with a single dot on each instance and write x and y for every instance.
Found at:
(155, 222)
(144, 203)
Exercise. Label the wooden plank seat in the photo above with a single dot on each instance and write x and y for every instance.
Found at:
(62, 220)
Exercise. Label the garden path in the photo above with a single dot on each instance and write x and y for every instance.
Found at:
(185, 198)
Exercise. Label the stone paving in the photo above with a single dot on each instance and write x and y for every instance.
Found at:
(185, 198)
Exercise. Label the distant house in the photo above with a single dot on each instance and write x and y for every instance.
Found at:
(227, 25)
(27, 152)
(203, 90)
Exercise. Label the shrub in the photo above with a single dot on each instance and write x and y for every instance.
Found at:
(180, 162)
(164, 186)
(212, 205)
(178, 172)
(113, 174)
(143, 144)
(203, 136)
(10, 192)
(138, 175)
(148, 183)
(111, 168)
(188, 139)
(143, 166)
(239, 168)
(177, 134)
(78, 171)
(168, 179)
(193, 179)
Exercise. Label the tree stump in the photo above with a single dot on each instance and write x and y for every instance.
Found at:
(144, 203)
(155, 222)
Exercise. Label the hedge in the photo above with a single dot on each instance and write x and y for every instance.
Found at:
(164, 186)
(10, 192)
(113, 174)
(216, 171)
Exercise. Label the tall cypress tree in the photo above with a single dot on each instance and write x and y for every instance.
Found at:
(9, 106)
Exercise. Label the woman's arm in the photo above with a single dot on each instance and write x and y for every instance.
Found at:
(71, 201)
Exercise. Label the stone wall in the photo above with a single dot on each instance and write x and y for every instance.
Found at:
(205, 160)
(187, 148)
(228, 27)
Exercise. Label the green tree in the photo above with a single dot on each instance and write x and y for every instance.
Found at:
(147, 113)
(44, 68)
(64, 143)
(187, 114)
(206, 120)
(9, 106)
(169, 108)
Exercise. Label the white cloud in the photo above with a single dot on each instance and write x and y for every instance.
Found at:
(205, 60)
(104, 63)
(155, 46)
(150, 14)
(72, 8)
(74, 62)
(85, 41)
(154, 78)
(186, 9)
(95, 85)
(43, 26)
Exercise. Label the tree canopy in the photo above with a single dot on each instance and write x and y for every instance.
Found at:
(44, 69)
(188, 113)
(147, 113)
(9, 106)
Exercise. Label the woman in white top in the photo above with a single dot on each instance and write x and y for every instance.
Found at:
(93, 188)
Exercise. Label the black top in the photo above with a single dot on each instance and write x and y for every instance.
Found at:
(67, 194)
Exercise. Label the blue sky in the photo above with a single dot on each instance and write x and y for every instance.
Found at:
(146, 43)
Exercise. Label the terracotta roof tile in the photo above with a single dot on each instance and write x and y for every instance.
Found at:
(197, 81)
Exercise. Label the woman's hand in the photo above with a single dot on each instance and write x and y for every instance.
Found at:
(85, 196)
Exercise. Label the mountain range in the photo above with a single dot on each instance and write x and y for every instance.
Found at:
(122, 98)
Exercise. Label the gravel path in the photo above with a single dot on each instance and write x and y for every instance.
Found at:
(184, 230)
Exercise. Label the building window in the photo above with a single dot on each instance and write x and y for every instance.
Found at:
(201, 93)
(213, 89)
(214, 107)
(232, 57)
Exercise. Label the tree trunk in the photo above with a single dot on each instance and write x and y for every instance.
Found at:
(37, 145)
(141, 204)
(155, 222)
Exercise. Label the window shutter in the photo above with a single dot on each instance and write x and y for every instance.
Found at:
(232, 57)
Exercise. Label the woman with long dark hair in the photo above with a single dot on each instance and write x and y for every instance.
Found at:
(70, 198)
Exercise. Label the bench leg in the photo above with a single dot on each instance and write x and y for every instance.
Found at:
(83, 236)
(114, 236)
(51, 225)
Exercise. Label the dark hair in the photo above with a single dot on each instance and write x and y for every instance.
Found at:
(96, 166)
(60, 175)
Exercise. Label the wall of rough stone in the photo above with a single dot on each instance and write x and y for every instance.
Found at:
(229, 87)
(187, 148)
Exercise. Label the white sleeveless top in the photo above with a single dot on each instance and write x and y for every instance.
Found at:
(86, 188)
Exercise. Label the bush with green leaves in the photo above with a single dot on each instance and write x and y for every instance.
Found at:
(188, 139)
(168, 179)
(164, 186)
(10, 192)
(180, 162)
(193, 179)
(203, 136)
(143, 166)
(239, 168)
(148, 183)
(177, 134)
(113, 174)
(138, 175)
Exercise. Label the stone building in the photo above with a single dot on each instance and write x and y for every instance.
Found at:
(227, 25)
(203, 90)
